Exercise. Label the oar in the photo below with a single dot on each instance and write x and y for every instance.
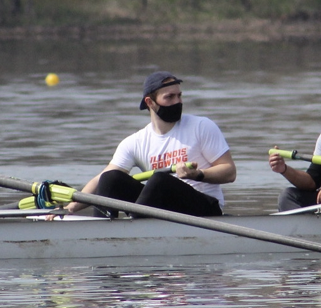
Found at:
(301, 210)
(29, 202)
(36, 212)
(316, 159)
(63, 194)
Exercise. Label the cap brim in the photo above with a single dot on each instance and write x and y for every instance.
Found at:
(143, 104)
(164, 85)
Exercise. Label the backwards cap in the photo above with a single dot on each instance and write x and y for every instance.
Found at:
(154, 82)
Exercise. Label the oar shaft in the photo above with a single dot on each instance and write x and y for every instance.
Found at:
(190, 220)
(33, 212)
(10, 206)
(171, 216)
(13, 183)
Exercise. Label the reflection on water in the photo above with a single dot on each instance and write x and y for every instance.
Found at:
(224, 281)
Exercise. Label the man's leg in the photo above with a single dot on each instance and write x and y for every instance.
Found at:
(294, 198)
(117, 185)
(167, 192)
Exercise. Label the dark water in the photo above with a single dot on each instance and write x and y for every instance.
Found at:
(260, 94)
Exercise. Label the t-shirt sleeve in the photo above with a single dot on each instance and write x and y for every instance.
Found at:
(123, 156)
(315, 170)
(213, 143)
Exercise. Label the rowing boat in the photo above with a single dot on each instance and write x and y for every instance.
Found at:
(163, 233)
(84, 237)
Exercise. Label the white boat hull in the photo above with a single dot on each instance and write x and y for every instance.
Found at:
(88, 238)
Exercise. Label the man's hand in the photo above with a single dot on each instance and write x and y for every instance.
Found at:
(184, 172)
(277, 163)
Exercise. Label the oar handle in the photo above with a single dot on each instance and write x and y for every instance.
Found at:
(316, 159)
(285, 154)
(188, 165)
(144, 176)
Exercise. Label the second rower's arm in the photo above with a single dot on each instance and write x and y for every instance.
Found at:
(299, 178)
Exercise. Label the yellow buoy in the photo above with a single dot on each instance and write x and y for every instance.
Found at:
(52, 79)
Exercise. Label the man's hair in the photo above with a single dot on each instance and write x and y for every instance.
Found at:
(153, 95)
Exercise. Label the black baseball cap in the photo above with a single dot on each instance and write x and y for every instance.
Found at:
(154, 82)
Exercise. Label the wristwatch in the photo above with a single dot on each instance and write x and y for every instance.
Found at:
(200, 176)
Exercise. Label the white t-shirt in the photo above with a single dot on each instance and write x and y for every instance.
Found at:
(192, 139)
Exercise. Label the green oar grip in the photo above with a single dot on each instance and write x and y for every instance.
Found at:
(58, 193)
(61, 193)
(316, 159)
(144, 176)
(27, 203)
(285, 154)
(188, 165)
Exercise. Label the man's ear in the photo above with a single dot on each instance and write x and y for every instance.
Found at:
(148, 102)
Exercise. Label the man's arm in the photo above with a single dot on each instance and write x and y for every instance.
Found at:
(222, 171)
(298, 178)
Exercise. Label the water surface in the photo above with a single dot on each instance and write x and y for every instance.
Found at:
(279, 280)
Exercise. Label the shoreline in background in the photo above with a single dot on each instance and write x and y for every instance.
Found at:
(257, 30)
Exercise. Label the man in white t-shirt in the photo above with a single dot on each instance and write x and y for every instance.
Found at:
(170, 138)
(306, 184)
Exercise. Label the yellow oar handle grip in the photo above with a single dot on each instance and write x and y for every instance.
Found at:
(316, 159)
(144, 176)
(61, 193)
(188, 165)
(285, 154)
(58, 194)
(27, 203)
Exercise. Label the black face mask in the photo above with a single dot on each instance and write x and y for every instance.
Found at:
(171, 113)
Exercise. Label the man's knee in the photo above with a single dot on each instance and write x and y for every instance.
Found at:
(111, 176)
(156, 190)
(110, 185)
(288, 199)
